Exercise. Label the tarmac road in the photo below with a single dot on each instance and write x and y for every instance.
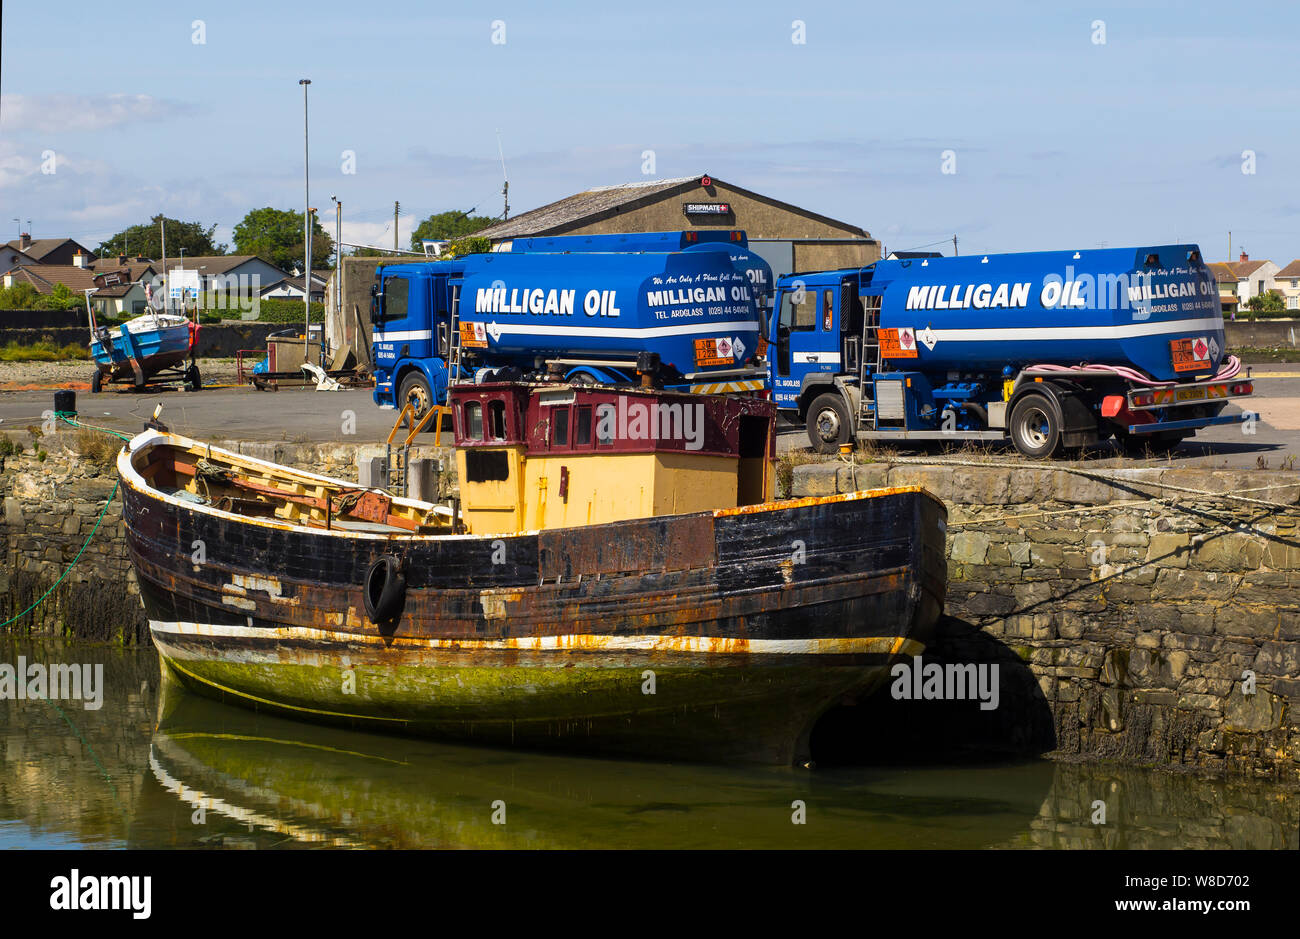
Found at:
(306, 415)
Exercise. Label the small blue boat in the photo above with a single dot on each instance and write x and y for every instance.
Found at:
(152, 345)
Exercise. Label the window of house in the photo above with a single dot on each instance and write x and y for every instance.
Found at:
(1293, 303)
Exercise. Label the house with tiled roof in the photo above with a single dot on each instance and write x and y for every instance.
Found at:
(1228, 285)
(1287, 283)
(48, 250)
(1253, 277)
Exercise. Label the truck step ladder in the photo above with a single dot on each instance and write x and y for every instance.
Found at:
(871, 361)
(453, 341)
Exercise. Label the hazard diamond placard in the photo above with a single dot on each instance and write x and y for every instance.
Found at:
(898, 343)
(1191, 354)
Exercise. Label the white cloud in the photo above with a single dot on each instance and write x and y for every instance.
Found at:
(55, 113)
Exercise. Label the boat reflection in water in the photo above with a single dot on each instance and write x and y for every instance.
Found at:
(229, 777)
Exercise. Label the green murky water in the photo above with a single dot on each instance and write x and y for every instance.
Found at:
(159, 768)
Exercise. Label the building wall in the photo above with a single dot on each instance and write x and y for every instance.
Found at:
(1248, 287)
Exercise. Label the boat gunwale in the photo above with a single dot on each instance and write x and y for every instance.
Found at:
(149, 439)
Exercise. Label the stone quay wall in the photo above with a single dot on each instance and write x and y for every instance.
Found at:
(1134, 611)
(49, 506)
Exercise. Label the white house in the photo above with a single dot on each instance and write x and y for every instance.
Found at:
(1253, 277)
(1287, 283)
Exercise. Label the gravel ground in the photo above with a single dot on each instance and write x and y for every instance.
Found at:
(23, 376)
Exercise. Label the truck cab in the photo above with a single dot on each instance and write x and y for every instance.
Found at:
(412, 307)
(1053, 350)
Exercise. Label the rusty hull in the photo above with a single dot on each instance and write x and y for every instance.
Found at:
(746, 624)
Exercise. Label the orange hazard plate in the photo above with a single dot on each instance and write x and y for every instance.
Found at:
(897, 343)
(473, 335)
(1184, 353)
(713, 352)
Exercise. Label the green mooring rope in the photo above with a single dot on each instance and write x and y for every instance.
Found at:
(84, 544)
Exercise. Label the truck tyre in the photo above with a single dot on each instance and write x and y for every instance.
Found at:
(1035, 426)
(829, 423)
(96, 382)
(415, 389)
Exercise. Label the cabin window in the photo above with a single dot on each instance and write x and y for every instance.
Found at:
(828, 316)
(396, 291)
(559, 427)
(583, 437)
(497, 419)
(799, 309)
(473, 420)
(486, 466)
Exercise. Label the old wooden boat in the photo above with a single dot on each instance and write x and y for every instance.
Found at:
(613, 577)
(148, 346)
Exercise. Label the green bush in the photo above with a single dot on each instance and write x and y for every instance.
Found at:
(43, 351)
(288, 311)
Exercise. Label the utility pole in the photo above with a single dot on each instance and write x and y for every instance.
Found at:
(338, 259)
(162, 228)
(1229, 247)
(306, 229)
(396, 207)
(954, 246)
(505, 186)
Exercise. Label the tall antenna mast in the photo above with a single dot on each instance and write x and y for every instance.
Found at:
(505, 188)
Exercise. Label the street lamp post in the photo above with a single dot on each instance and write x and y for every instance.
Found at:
(306, 229)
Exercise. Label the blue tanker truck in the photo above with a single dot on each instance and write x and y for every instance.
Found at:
(1055, 349)
(688, 306)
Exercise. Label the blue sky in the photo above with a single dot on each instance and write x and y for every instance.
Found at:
(1059, 141)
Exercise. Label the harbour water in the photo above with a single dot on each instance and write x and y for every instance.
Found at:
(155, 767)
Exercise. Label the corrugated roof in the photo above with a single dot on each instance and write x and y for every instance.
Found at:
(589, 205)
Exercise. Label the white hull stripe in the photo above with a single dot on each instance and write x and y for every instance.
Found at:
(409, 335)
(1046, 333)
(643, 332)
(584, 642)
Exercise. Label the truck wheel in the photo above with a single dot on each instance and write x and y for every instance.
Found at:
(829, 423)
(1035, 428)
(415, 389)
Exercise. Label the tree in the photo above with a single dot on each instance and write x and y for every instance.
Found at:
(448, 226)
(146, 240)
(1269, 301)
(463, 246)
(276, 236)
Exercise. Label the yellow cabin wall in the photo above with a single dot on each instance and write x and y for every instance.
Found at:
(603, 487)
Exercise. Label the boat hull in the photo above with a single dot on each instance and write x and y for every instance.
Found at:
(154, 350)
(711, 636)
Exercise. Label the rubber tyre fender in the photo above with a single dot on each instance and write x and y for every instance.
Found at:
(384, 590)
(96, 382)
